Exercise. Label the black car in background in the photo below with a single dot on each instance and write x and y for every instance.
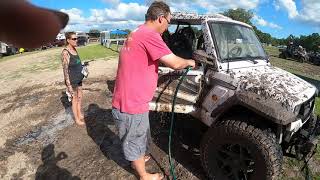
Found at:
(83, 39)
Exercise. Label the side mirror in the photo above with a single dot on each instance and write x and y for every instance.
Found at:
(203, 57)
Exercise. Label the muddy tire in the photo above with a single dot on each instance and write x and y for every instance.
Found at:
(235, 150)
(303, 59)
(283, 55)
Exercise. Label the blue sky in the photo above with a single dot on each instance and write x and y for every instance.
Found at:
(280, 18)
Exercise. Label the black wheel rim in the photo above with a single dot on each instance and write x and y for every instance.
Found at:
(235, 161)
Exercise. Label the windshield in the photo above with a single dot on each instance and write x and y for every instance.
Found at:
(236, 42)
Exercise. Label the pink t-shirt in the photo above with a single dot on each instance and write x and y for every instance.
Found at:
(137, 74)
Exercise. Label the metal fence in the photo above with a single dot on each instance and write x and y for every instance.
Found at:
(117, 42)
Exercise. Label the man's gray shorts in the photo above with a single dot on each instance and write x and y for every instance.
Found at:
(134, 133)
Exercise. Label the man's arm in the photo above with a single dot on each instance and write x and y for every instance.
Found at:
(176, 63)
(65, 65)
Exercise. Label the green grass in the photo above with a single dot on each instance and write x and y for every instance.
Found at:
(53, 62)
(96, 52)
(318, 106)
(5, 58)
(302, 69)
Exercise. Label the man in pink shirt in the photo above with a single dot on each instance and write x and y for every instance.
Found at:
(136, 83)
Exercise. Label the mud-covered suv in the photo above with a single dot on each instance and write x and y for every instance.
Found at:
(255, 112)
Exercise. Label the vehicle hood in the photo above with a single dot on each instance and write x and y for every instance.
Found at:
(272, 84)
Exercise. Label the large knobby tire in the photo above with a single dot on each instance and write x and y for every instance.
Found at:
(235, 150)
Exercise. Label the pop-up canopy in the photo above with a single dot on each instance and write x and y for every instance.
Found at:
(118, 32)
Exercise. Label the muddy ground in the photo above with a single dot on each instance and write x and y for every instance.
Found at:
(39, 139)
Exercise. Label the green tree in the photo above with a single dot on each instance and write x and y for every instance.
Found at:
(239, 14)
(94, 33)
(246, 16)
(310, 42)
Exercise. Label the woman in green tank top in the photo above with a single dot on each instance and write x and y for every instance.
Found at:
(72, 75)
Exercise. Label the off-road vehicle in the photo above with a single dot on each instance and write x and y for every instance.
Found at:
(295, 52)
(255, 112)
(315, 58)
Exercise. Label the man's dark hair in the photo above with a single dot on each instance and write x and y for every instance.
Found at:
(157, 9)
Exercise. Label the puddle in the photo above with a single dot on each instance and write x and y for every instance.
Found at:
(47, 134)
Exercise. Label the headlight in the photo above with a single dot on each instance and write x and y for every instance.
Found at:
(297, 109)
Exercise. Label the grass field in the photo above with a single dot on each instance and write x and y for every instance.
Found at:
(96, 52)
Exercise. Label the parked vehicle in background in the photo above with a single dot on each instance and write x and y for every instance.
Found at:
(315, 58)
(83, 38)
(46, 46)
(60, 40)
(294, 51)
(7, 50)
(3, 49)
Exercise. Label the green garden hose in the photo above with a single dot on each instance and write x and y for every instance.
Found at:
(172, 120)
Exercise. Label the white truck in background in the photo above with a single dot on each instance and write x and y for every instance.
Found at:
(3, 49)
(6, 50)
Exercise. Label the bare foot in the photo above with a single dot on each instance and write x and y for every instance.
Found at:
(80, 122)
(148, 176)
(146, 158)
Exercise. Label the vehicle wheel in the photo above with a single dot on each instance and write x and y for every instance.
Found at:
(281, 56)
(235, 150)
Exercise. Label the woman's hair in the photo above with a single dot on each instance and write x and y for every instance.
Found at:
(156, 9)
(68, 36)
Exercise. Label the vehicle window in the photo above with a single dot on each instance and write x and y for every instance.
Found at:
(236, 42)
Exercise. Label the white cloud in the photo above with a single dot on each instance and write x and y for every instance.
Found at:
(276, 5)
(111, 1)
(308, 13)
(214, 6)
(290, 7)
(260, 21)
(210, 6)
(122, 12)
(75, 15)
(121, 16)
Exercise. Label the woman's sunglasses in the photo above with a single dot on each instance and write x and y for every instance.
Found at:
(74, 39)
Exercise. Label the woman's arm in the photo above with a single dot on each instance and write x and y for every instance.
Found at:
(65, 64)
